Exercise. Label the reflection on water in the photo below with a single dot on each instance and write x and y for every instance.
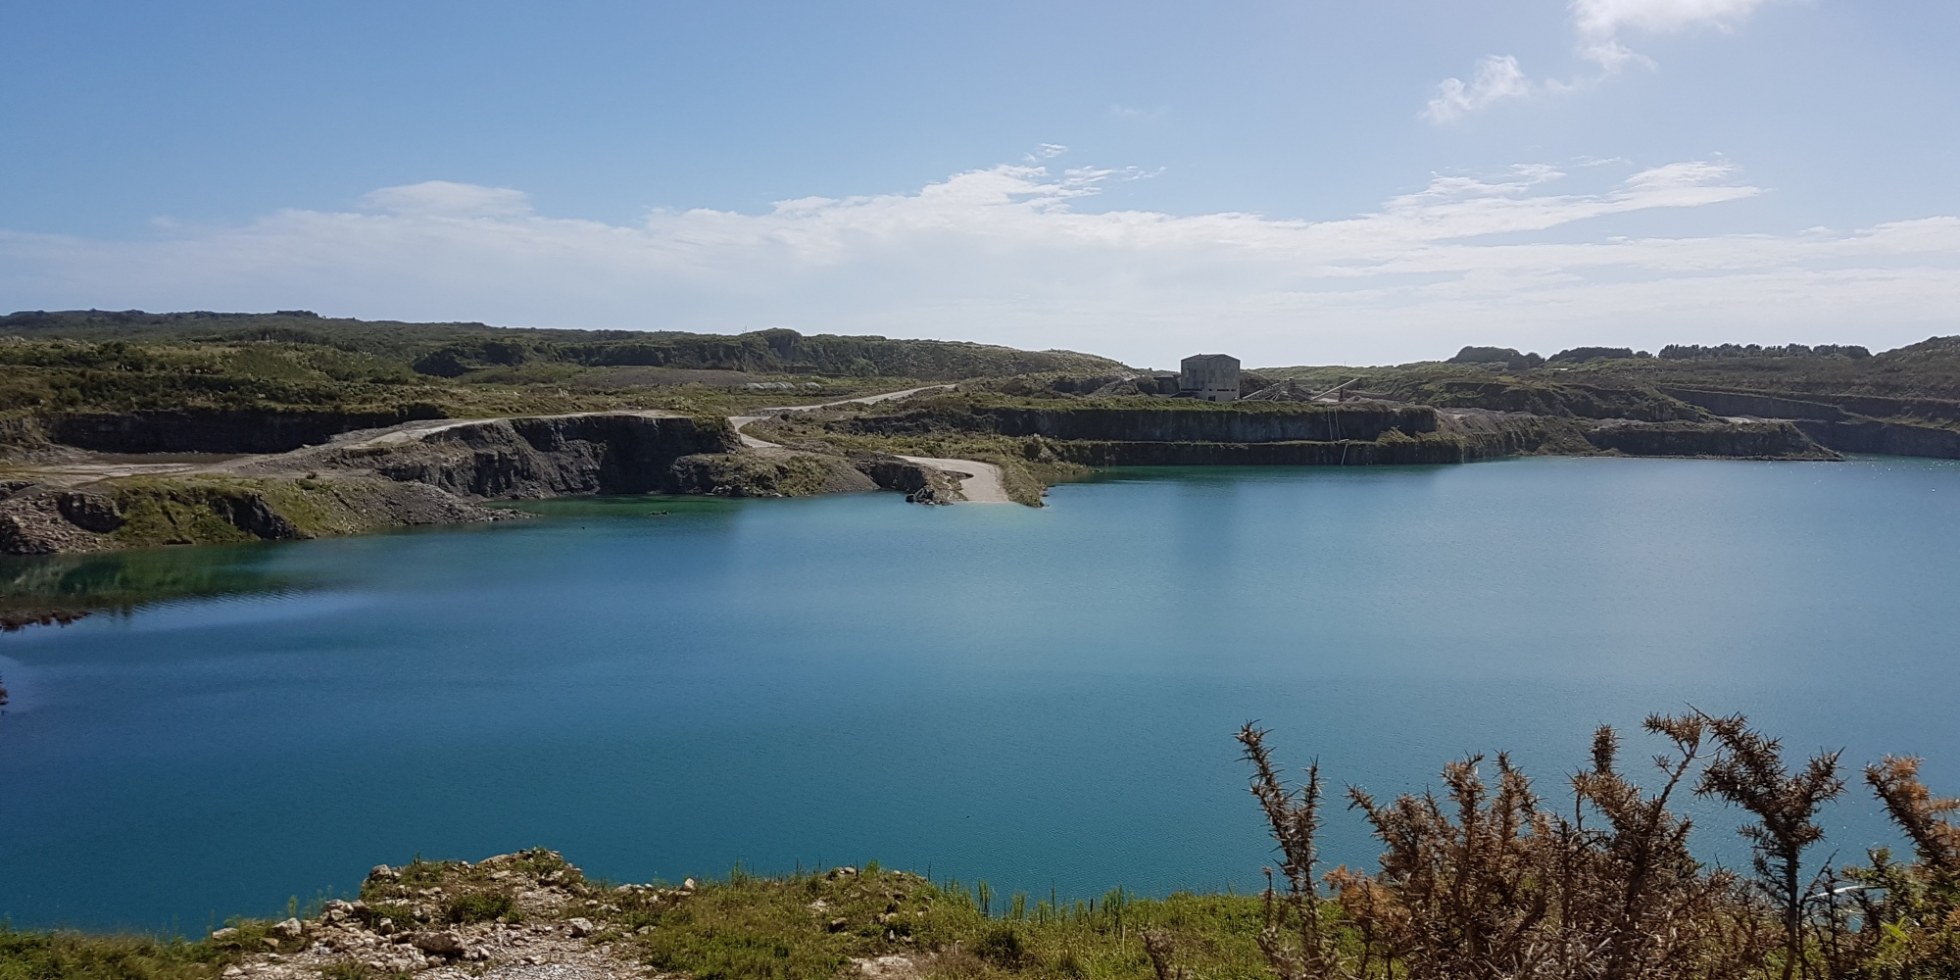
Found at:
(59, 589)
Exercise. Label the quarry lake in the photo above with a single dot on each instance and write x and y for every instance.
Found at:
(1043, 699)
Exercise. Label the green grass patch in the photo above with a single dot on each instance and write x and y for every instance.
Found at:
(481, 906)
(815, 925)
(78, 956)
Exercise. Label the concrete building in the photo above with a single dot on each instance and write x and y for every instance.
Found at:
(1211, 377)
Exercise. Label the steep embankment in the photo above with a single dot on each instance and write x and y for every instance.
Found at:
(1154, 432)
(215, 430)
(1848, 423)
(422, 473)
(1244, 423)
(138, 512)
(610, 452)
(1141, 419)
(926, 480)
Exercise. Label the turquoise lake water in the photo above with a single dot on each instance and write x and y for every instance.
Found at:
(1040, 698)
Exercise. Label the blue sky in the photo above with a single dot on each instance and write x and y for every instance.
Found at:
(1293, 182)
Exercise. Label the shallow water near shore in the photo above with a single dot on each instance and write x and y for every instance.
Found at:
(1044, 699)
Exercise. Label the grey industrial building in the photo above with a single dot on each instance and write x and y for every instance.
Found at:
(1210, 377)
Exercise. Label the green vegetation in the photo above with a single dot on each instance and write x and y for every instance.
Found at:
(461, 349)
(815, 925)
(1837, 374)
(125, 362)
(220, 510)
(50, 588)
(172, 511)
(481, 906)
(1493, 880)
(752, 474)
(79, 956)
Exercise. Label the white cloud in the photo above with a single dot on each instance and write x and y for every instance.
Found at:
(1598, 26)
(1530, 257)
(448, 199)
(1497, 78)
(1606, 19)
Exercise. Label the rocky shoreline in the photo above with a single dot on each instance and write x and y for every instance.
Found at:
(426, 471)
(421, 473)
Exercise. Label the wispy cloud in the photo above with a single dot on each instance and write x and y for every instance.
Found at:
(1599, 28)
(1497, 78)
(1608, 19)
(1131, 112)
(1018, 254)
(442, 198)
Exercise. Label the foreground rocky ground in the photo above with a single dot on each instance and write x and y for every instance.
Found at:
(532, 916)
(509, 917)
(515, 915)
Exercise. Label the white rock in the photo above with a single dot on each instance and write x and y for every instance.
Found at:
(440, 943)
(581, 928)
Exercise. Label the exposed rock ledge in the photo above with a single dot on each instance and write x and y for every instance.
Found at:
(37, 519)
(427, 472)
(609, 452)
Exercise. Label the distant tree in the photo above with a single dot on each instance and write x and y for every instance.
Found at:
(1485, 355)
(1579, 355)
(1688, 352)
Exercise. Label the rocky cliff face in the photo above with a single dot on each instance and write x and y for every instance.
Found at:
(1358, 453)
(215, 431)
(1466, 436)
(1774, 439)
(531, 457)
(39, 520)
(1260, 423)
(1551, 400)
(1843, 422)
(766, 473)
(904, 476)
(1751, 403)
(1328, 423)
(1862, 435)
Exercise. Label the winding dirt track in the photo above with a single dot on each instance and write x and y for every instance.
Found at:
(980, 483)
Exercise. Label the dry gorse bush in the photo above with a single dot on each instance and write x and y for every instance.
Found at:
(1486, 881)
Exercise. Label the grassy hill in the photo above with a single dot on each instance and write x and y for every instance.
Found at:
(96, 361)
(454, 350)
(1917, 381)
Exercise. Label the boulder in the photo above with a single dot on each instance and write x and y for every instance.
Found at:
(89, 511)
(444, 944)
